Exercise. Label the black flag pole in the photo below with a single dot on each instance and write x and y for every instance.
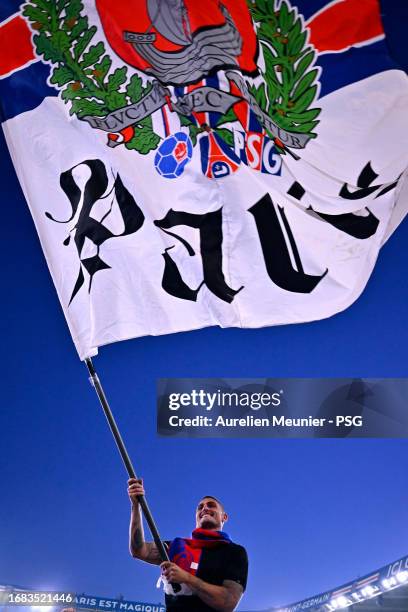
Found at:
(126, 459)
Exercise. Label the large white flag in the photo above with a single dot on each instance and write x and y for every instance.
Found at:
(204, 163)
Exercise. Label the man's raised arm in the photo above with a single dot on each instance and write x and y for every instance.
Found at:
(146, 551)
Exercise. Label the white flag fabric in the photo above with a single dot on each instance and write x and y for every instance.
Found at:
(193, 164)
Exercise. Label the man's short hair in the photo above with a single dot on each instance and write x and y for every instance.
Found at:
(215, 498)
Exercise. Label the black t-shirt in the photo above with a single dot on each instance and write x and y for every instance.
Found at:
(225, 562)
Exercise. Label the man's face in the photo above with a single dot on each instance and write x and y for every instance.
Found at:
(210, 514)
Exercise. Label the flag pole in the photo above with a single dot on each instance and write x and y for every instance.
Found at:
(94, 380)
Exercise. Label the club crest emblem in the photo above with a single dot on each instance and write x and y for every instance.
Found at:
(215, 74)
(178, 41)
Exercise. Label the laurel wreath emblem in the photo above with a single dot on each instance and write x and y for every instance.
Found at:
(290, 85)
(83, 71)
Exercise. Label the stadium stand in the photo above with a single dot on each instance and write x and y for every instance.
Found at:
(383, 590)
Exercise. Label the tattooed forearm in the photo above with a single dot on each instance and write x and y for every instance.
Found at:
(146, 551)
(137, 537)
(136, 533)
(152, 554)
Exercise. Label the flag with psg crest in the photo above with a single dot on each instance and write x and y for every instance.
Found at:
(190, 164)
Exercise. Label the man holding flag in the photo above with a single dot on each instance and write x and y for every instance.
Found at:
(209, 567)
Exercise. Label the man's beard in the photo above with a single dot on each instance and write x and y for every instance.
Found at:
(208, 524)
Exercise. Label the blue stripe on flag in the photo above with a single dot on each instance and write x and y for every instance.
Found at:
(180, 92)
(253, 123)
(341, 69)
(395, 19)
(8, 8)
(25, 90)
(213, 81)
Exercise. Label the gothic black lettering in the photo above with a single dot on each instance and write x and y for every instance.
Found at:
(361, 227)
(86, 226)
(364, 183)
(276, 251)
(296, 191)
(173, 282)
(210, 226)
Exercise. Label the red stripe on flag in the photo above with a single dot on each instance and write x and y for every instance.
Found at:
(16, 49)
(344, 24)
(240, 108)
(165, 121)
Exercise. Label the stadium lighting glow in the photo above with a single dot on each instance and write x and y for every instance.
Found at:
(356, 596)
(363, 589)
(368, 591)
(402, 577)
(42, 608)
(341, 602)
(389, 583)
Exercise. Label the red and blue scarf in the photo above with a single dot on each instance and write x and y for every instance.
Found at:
(186, 552)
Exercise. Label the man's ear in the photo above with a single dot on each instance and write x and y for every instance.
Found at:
(225, 517)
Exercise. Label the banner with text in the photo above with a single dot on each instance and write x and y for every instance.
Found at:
(282, 407)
